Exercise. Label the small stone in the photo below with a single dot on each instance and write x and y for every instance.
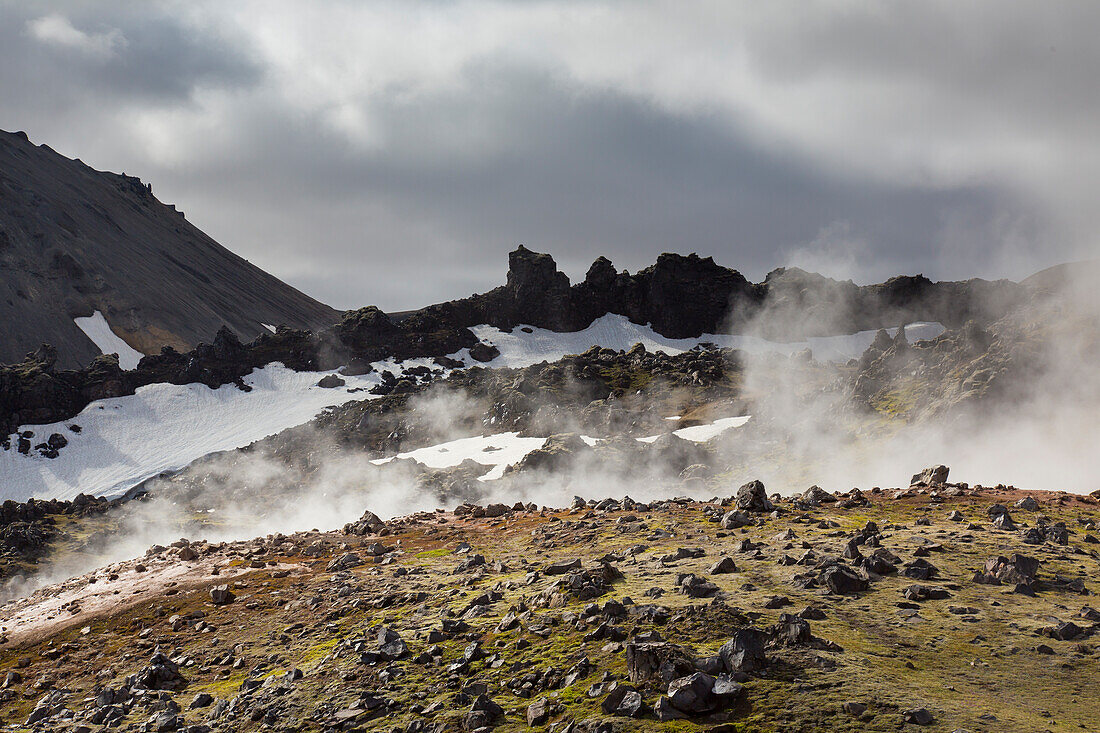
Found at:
(854, 708)
(918, 716)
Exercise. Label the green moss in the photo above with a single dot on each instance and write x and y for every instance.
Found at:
(221, 689)
(623, 379)
(898, 402)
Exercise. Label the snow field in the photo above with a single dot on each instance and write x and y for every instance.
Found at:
(164, 427)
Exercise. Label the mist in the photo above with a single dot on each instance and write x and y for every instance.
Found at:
(1031, 423)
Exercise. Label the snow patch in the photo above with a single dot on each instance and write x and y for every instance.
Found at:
(164, 427)
(504, 449)
(97, 329)
(500, 449)
(269, 327)
(703, 433)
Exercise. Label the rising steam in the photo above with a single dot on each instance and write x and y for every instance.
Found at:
(1037, 429)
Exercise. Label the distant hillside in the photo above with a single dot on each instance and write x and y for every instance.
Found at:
(74, 241)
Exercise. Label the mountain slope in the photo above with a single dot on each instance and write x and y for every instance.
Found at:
(74, 241)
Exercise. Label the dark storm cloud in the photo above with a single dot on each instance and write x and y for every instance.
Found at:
(575, 175)
(135, 53)
(393, 152)
(1031, 58)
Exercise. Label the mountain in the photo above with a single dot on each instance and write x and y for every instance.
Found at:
(74, 241)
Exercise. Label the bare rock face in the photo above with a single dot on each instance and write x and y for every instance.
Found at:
(539, 291)
(163, 286)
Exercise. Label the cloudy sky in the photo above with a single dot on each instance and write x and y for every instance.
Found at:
(393, 152)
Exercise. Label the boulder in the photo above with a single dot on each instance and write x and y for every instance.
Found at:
(842, 580)
(390, 645)
(696, 587)
(220, 595)
(918, 716)
(161, 674)
(1015, 569)
(735, 519)
(931, 476)
(700, 693)
(561, 567)
(1065, 631)
(752, 497)
(791, 631)
(484, 352)
(1028, 504)
(657, 661)
(723, 566)
(538, 712)
(369, 523)
(664, 711)
(744, 652)
(816, 496)
(623, 701)
(484, 713)
(345, 561)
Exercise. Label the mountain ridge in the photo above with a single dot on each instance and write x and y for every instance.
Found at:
(74, 240)
(679, 296)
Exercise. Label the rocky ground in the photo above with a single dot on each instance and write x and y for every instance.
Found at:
(939, 606)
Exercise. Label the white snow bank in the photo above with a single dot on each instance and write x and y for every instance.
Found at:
(703, 433)
(164, 427)
(519, 348)
(96, 328)
(503, 449)
(488, 450)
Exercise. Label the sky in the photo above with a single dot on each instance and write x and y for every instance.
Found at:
(393, 152)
